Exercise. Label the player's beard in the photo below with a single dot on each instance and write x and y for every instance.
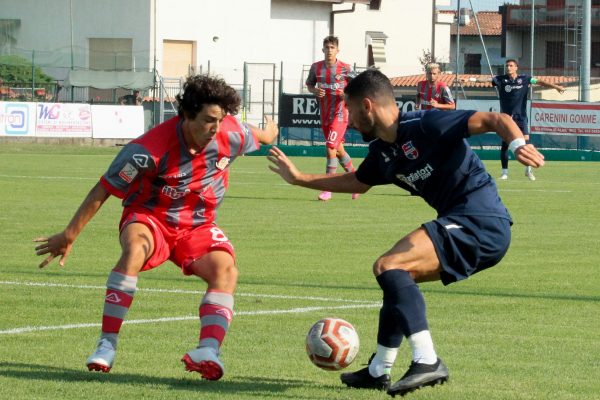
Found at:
(366, 126)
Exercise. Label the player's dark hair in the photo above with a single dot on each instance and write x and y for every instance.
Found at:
(512, 60)
(370, 83)
(331, 39)
(199, 90)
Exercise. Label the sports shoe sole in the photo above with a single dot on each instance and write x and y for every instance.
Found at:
(209, 370)
(402, 392)
(98, 367)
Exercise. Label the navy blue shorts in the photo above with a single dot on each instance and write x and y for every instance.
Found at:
(466, 245)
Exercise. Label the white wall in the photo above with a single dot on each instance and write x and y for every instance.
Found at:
(46, 27)
(407, 25)
(256, 31)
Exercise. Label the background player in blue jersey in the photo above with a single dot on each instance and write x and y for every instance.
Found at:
(425, 153)
(512, 90)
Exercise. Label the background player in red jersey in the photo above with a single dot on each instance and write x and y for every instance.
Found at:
(327, 80)
(433, 93)
(171, 180)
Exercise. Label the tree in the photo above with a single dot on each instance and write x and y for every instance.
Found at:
(16, 69)
(426, 58)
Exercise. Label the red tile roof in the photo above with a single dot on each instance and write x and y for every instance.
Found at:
(490, 23)
(448, 79)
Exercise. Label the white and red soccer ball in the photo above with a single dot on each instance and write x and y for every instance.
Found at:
(332, 343)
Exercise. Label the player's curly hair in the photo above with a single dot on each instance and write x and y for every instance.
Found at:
(203, 89)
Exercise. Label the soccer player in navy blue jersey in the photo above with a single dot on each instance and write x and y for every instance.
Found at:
(426, 153)
(512, 91)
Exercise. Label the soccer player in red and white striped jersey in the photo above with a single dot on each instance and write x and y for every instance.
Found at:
(432, 92)
(171, 181)
(327, 80)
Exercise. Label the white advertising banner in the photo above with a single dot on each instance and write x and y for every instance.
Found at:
(63, 120)
(479, 105)
(565, 118)
(17, 119)
(117, 122)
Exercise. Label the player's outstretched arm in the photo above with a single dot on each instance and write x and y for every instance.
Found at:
(558, 88)
(60, 243)
(509, 132)
(340, 183)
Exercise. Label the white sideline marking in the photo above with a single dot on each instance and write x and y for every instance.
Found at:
(28, 329)
(269, 296)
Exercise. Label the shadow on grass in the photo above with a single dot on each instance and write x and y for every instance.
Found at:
(257, 386)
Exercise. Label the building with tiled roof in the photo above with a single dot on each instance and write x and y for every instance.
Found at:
(406, 86)
(472, 55)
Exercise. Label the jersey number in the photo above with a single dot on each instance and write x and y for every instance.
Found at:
(218, 235)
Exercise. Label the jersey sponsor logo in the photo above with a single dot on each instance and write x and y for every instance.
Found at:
(113, 298)
(128, 173)
(332, 86)
(175, 176)
(141, 160)
(509, 88)
(223, 163)
(174, 193)
(420, 174)
(410, 151)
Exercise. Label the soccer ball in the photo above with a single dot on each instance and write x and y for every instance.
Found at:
(332, 344)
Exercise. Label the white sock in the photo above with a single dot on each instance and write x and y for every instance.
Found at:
(504, 171)
(383, 361)
(527, 170)
(422, 347)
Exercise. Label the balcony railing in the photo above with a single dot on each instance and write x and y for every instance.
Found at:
(520, 16)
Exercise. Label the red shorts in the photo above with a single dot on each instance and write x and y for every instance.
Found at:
(181, 246)
(334, 133)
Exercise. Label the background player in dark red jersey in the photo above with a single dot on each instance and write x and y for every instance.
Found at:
(327, 80)
(432, 92)
(425, 153)
(171, 180)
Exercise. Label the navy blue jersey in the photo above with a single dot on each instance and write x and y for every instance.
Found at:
(431, 158)
(513, 94)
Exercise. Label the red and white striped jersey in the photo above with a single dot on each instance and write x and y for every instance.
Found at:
(438, 91)
(331, 79)
(157, 172)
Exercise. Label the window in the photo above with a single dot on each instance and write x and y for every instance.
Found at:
(374, 4)
(178, 58)
(472, 63)
(595, 55)
(555, 55)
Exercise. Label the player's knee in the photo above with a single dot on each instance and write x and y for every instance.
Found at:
(331, 146)
(381, 265)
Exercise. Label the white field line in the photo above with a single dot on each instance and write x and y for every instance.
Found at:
(241, 294)
(272, 184)
(71, 178)
(29, 329)
(300, 310)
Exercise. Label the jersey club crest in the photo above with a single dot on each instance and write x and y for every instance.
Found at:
(410, 151)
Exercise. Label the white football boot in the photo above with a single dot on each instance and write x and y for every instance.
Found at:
(103, 357)
(204, 360)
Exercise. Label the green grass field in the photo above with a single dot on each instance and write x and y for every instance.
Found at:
(528, 328)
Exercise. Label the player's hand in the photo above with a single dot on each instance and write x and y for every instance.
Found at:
(530, 156)
(282, 165)
(434, 103)
(55, 245)
(271, 127)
